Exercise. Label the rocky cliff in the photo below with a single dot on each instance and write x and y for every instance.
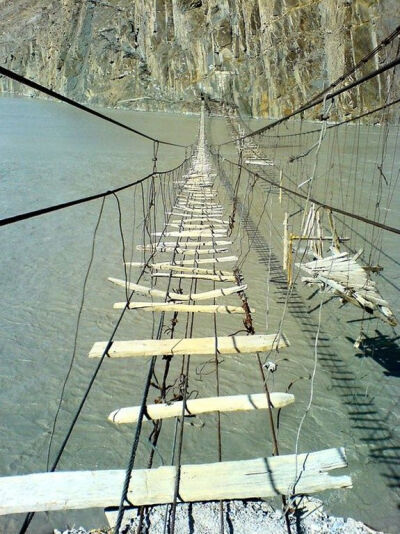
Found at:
(267, 56)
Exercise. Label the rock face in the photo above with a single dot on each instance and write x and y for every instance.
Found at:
(267, 56)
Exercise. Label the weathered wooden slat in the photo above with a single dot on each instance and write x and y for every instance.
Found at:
(199, 211)
(181, 268)
(199, 251)
(199, 219)
(199, 197)
(244, 479)
(143, 290)
(191, 233)
(195, 270)
(188, 252)
(198, 244)
(183, 308)
(185, 244)
(201, 194)
(201, 261)
(194, 346)
(212, 277)
(205, 226)
(191, 202)
(232, 403)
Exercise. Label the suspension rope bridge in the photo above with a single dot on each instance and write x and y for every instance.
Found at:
(198, 237)
(242, 479)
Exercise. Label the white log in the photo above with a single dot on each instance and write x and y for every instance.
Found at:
(190, 217)
(212, 277)
(198, 251)
(194, 270)
(195, 346)
(184, 244)
(191, 233)
(202, 261)
(182, 308)
(193, 262)
(233, 403)
(187, 252)
(143, 290)
(199, 219)
(204, 211)
(244, 479)
(206, 226)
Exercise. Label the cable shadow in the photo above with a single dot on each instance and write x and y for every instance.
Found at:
(384, 350)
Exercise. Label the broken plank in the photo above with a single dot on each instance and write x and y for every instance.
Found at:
(143, 290)
(194, 270)
(232, 403)
(198, 251)
(240, 479)
(186, 251)
(212, 277)
(206, 226)
(199, 219)
(183, 308)
(193, 346)
(200, 261)
(191, 233)
(186, 244)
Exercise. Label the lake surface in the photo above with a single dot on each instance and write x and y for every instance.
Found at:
(51, 153)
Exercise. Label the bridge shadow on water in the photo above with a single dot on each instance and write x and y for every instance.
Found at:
(368, 425)
(384, 350)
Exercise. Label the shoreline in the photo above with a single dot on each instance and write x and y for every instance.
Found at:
(240, 517)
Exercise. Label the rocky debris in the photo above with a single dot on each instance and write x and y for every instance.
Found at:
(267, 57)
(243, 517)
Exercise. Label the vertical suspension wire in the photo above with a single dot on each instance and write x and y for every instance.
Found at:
(76, 336)
(121, 231)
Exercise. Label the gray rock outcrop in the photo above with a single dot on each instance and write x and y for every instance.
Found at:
(266, 56)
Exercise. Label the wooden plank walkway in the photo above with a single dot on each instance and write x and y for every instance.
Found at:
(205, 295)
(243, 479)
(194, 346)
(255, 478)
(232, 403)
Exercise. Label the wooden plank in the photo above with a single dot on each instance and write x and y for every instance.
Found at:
(144, 290)
(232, 403)
(198, 251)
(190, 217)
(180, 250)
(201, 211)
(243, 479)
(198, 196)
(181, 268)
(195, 346)
(206, 226)
(195, 244)
(193, 262)
(185, 244)
(200, 219)
(191, 233)
(201, 261)
(191, 202)
(183, 308)
(212, 277)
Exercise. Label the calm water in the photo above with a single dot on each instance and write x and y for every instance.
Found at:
(49, 154)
